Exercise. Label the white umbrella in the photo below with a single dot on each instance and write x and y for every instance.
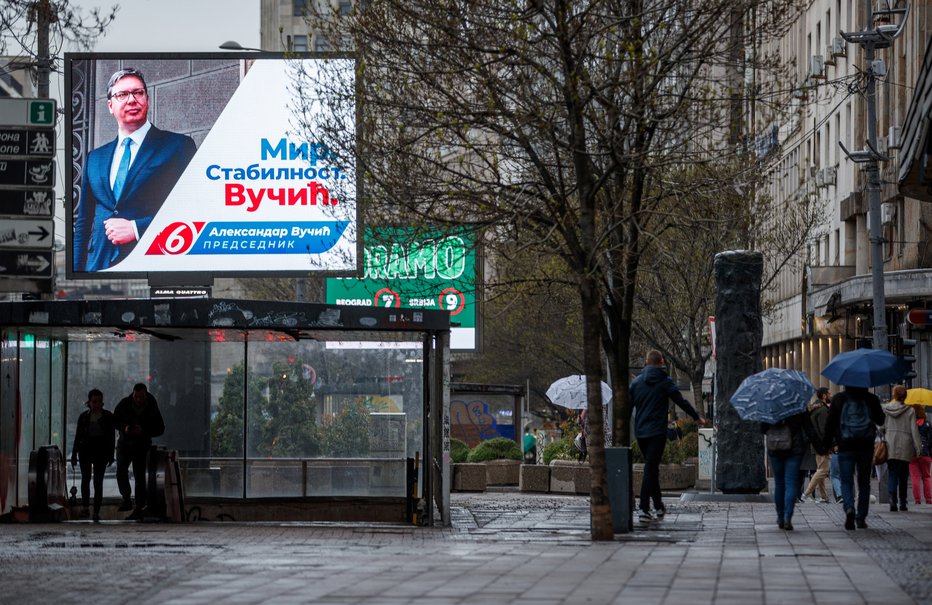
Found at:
(570, 392)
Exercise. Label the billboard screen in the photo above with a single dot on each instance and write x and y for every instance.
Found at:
(405, 269)
(209, 163)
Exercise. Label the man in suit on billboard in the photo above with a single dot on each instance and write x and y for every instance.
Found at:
(127, 180)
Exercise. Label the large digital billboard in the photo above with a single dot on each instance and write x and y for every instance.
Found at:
(209, 163)
(406, 269)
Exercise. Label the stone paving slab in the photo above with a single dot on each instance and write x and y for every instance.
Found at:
(502, 548)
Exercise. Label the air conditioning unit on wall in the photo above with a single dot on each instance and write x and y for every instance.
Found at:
(839, 47)
(893, 137)
(829, 56)
(887, 213)
(817, 67)
(882, 145)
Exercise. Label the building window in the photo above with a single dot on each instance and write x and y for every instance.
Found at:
(345, 7)
(300, 44)
(320, 44)
(299, 6)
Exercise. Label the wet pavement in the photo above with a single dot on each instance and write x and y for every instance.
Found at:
(503, 547)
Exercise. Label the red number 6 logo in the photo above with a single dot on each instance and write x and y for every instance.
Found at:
(176, 238)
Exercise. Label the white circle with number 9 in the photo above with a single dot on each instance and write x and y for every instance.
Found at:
(452, 300)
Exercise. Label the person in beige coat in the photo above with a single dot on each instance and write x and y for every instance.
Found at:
(903, 443)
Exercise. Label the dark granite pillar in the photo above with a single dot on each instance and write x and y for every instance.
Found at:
(739, 466)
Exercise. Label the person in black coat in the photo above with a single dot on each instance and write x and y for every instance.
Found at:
(785, 462)
(138, 420)
(651, 394)
(93, 448)
(854, 455)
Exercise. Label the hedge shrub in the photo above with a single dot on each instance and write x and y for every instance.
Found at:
(562, 449)
(499, 448)
(676, 452)
(458, 450)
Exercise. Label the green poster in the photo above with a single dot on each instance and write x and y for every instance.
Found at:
(425, 271)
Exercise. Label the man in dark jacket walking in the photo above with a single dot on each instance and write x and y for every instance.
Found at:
(138, 420)
(651, 393)
(854, 454)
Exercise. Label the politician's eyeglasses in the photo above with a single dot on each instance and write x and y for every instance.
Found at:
(139, 93)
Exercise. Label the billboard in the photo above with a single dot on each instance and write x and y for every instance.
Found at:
(406, 269)
(209, 163)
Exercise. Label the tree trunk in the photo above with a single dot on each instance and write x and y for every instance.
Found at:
(600, 511)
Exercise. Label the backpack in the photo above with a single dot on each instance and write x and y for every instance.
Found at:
(779, 438)
(856, 424)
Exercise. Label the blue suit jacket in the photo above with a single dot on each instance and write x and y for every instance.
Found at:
(161, 159)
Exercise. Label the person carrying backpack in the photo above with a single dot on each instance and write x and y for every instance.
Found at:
(787, 441)
(852, 425)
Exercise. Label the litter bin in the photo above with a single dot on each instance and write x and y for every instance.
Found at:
(620, 488)
(47, 478)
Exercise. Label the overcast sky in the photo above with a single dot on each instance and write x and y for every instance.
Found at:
(177, 25)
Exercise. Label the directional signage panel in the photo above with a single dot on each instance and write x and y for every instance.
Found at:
(35, 174)
(27, 112)
(26, 203)
(34, 263)
(34, 142)
(25, 233)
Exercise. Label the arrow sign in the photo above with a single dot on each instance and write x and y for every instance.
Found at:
(26, 203)
(25, 233)
(35, 174)
(32, 263)
(36, 142)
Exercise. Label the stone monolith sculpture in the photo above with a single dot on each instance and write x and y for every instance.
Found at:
(739, 466)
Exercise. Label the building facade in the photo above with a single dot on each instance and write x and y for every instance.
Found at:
(822, 303)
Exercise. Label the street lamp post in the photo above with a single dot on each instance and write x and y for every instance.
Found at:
(872, 38)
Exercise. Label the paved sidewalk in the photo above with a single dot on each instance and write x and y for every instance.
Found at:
(502, 548)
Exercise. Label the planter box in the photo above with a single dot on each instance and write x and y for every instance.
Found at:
(534, 478)
(673, 477)
(469, 477)
(569, 477)
(502, 472)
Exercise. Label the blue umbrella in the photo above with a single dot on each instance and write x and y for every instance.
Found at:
(864, 368)
(772, 395)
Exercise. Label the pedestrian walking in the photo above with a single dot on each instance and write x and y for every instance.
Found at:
(651, 393)
(787, 443)
(93, 449)
(903, 443)
(818, 415)
(530, 446)
(853, 416)
(919, 466)
(138, 420)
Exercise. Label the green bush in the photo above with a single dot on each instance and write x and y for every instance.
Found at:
(637, 456)
(689, 444)
(676, 452)
(562, 449)
(499, 448)
(458, 450)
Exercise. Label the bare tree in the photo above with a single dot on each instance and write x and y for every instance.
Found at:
(717, 209)
(19, 25)
(551, 123)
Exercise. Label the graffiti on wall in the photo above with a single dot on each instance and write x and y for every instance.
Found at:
(479, 420)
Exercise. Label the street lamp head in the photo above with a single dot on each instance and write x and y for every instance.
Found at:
(231, 45)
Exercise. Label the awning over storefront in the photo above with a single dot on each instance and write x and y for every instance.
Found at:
(915, 176)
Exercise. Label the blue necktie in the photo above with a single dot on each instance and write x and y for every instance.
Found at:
(122, 170)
